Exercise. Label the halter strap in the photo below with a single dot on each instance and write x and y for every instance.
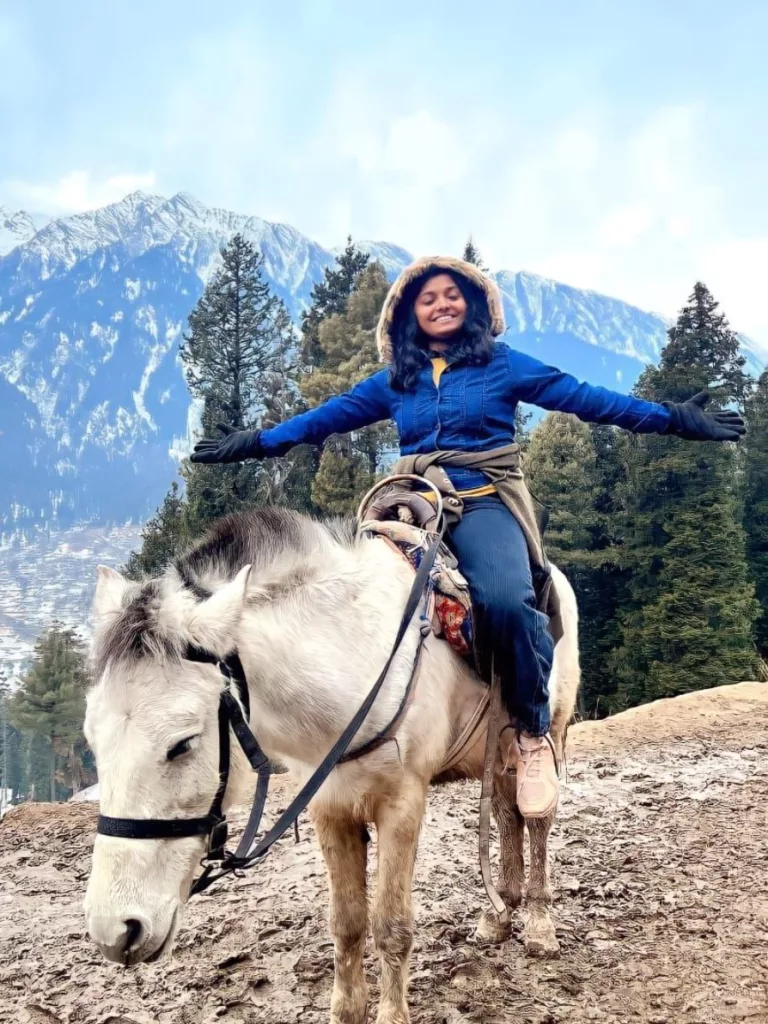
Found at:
(214, 824)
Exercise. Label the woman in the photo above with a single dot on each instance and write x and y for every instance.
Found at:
(452, 390)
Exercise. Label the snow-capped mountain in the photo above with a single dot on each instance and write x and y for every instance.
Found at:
(16, 228)
(92, 310)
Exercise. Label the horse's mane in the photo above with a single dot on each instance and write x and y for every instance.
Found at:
(260, 537)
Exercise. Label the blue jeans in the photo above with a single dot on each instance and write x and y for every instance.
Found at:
(493, 556)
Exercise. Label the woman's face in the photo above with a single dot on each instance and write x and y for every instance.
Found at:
(440, 308)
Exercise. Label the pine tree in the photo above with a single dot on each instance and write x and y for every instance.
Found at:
(162, 538)
(562, 473)
(288, 480)
(349, 464)
(242, 363)
(690, 606)
(11, 764)
(606, 591)
(7, 733)
(240, 340)
(522, 433)
(329, 298)
(756, 503)
(471, 254)
(50, 703)
(234, 332)
(570, 469)
(36, 752)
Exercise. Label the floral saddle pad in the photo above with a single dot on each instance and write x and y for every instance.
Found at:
(451, 605)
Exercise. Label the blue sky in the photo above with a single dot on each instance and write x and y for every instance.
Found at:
(618, 146)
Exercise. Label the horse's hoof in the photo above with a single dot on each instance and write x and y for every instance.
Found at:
(540, 939)
(349, 1011)
(393, 1017)
(491, 929)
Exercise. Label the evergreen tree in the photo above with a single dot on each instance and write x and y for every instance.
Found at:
(36, 753)
(522, 433)
(235, 330)
(13, 764)
(287, 481)
(571, 469)
(329, 298)
(50, 703)
(241, 360)
(9, 746)
(240, 339)
(606, 591)
(162, 538)
(471, 254)
(349, 464)
(756, 503)
(690, 606)
(562, 473)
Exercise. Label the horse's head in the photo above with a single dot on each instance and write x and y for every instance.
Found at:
(152, 722)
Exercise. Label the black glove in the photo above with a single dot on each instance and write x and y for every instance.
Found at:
(234, 446)
(690, 421)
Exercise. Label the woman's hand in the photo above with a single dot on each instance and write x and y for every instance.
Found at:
(234, 446)
(690, 421)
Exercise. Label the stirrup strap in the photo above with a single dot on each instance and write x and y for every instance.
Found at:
(486, 796)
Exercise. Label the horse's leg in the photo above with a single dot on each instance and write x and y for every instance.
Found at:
(540, 938)
(398, 821)
(343, 842)
(511, 859)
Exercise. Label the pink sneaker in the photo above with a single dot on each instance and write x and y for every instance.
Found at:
(538, 785)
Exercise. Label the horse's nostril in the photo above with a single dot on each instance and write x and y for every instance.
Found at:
(133, 934)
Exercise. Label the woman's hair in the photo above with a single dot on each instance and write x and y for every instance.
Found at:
(410, 345)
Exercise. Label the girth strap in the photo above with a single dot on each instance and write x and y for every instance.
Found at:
(153, 828)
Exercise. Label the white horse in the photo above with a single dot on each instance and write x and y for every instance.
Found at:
(312, 610)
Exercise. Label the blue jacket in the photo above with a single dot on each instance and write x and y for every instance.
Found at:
(472, 409)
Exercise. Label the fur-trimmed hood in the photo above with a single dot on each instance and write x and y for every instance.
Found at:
(414, 271)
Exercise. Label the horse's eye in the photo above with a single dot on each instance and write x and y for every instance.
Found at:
(183, 747)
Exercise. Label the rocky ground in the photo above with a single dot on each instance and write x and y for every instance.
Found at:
(660, 862)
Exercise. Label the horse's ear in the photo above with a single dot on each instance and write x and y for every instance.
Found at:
(214, 622)
(111, 588)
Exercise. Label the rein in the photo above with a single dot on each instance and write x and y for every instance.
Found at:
(234, 714)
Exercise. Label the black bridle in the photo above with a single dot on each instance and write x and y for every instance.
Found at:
(234, 715)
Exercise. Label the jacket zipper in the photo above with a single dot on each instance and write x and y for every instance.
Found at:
(439, 424)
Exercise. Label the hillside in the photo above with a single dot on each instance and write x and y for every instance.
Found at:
(51, 576)
(661, 903)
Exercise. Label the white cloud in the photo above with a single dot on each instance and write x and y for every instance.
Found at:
(425, 150)
(735, 271)
(624, 225)
(577, 149)
(75, 192)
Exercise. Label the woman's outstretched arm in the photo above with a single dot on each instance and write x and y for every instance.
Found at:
(365, 403)
(550, 388)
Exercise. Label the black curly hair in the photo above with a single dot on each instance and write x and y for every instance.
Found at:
(410, 346)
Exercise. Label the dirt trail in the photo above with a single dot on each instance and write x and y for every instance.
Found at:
(660, 863)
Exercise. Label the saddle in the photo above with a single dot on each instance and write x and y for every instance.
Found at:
(407, 520)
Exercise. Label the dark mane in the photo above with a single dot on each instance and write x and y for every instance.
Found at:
(257, 536)
(133, 634)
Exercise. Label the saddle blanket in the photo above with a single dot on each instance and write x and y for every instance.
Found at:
(452, 618)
